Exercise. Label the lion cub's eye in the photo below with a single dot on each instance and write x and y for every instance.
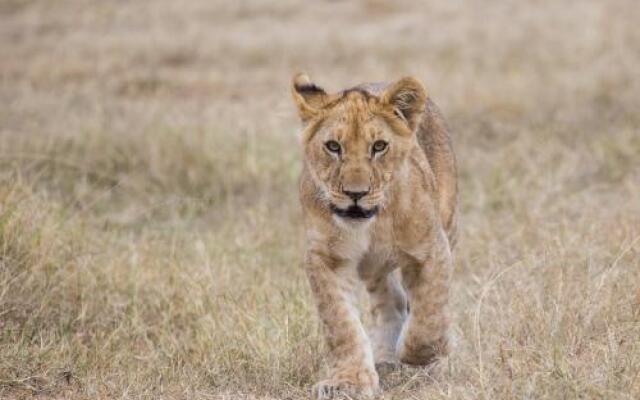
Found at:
(379, 146)
(333, 146)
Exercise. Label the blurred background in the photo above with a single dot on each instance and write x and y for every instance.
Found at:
(150, 232)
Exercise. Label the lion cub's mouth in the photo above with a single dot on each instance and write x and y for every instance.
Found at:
(354, 212)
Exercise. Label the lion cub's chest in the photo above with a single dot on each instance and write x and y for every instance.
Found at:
(375, 248)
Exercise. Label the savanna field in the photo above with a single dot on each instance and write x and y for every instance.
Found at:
(150, 232)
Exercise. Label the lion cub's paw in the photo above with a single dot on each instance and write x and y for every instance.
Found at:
(339, 387)
(419, 353)
(385, 368)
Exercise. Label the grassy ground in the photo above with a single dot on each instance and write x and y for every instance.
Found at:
(150, 238)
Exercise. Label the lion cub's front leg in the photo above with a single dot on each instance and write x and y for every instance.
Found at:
(424, 334)
(353, 372)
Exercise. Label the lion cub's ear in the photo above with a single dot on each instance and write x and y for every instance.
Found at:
(308, 97)
(408, 98)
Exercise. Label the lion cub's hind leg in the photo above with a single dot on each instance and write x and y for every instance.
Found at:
(388, 303)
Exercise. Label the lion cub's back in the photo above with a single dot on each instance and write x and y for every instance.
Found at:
(434, 138)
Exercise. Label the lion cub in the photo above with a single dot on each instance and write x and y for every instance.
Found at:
(379, 196)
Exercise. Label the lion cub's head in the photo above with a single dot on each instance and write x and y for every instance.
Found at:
(355, 143)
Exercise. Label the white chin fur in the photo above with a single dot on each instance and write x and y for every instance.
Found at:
(353, 223)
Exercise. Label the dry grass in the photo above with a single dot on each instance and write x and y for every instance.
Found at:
(150, 239)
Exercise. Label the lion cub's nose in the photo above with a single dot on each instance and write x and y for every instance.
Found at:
(355, 196)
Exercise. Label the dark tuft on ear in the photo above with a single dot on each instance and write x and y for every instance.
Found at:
(309, 89)
(408, 98)
(308, 96)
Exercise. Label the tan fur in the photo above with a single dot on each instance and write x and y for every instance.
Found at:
(402, 254)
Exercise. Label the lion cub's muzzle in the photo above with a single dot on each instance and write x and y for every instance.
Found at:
(355, 210)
